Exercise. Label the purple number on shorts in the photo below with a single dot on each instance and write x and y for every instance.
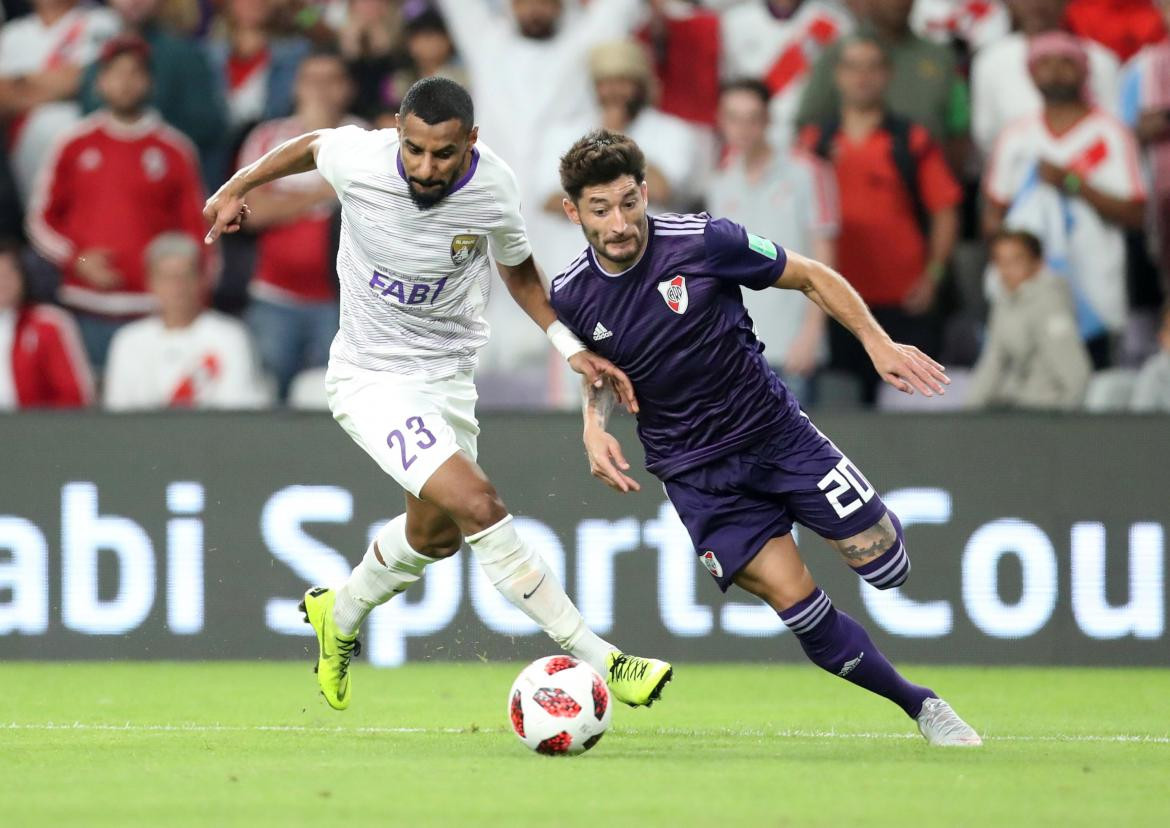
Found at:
(406, 461)
(417, 425)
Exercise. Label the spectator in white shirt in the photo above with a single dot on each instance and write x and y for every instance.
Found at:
(517, 360)
(42, 56)
(976, 23)
(529, 69)
(185, 356)
(779, 42)
(677, 156)
(1069, 174)
(784, 194)
(1001, 85)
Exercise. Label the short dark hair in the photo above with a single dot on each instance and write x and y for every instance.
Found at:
(1028, 240)
(425, 20)
(436, 100)
(598, 158)
(325, 51)
(864, 39)
(753, 86)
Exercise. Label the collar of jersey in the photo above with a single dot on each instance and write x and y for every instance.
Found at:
(460, 184)
(146, 123)
(601, 271)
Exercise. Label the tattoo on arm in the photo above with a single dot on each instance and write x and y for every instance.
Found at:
(869, 544)
(598, 403)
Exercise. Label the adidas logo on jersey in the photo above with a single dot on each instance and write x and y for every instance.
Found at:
(601, 332)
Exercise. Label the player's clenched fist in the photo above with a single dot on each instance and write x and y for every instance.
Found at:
(226, 212)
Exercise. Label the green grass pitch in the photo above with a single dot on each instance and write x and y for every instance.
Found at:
(237, 744)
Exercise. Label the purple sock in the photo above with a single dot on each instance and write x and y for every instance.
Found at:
(891, 568)
(835, 642)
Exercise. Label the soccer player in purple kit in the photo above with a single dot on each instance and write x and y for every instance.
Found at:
(660, 297)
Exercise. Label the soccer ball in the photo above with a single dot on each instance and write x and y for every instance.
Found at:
(559, 706)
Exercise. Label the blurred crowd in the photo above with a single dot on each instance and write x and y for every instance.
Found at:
(992, 176)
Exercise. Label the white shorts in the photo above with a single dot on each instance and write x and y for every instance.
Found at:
(410, 425)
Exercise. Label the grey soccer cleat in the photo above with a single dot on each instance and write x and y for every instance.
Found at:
(940, 725)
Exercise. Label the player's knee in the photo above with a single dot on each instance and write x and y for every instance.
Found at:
(442, 542)
(481, 510)
(782, 597)
(892, 567)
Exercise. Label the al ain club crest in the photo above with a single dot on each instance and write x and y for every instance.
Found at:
(463, 247)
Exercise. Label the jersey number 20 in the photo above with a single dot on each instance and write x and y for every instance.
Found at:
(843, 478)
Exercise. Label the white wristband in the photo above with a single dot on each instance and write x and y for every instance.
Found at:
(563, 339)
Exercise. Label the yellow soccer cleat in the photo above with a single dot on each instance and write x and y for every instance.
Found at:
(334, 649)
(637, 681)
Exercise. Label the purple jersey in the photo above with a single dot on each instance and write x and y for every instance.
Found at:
(676, 324)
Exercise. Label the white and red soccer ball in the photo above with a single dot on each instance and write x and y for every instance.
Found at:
(559, 706)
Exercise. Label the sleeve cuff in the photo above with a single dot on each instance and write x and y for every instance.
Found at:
(515, 258)
(768, 280)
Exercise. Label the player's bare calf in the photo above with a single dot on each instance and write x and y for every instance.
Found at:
(879, 553)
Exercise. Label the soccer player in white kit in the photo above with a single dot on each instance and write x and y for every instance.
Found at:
(421, 207)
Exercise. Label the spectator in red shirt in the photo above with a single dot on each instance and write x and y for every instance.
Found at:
(293, 311)
(899, 216)
(113, 183)
(685, 42)
(42, 362)
(185, 89)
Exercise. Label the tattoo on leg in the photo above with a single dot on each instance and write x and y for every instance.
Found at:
(869, 544)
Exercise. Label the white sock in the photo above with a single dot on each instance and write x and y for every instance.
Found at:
(372, 584)
(516, 571)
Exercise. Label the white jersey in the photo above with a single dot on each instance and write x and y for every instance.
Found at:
(1103, 151)
(414, 282)
(782, 53)
(1002, 90)
(29, 47)
(209, 364)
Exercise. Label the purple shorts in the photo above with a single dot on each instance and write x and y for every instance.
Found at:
(734, 505)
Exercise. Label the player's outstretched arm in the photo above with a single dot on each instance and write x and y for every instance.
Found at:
(606, 461)
(902, 366)
(525, 283)
(226, 211)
